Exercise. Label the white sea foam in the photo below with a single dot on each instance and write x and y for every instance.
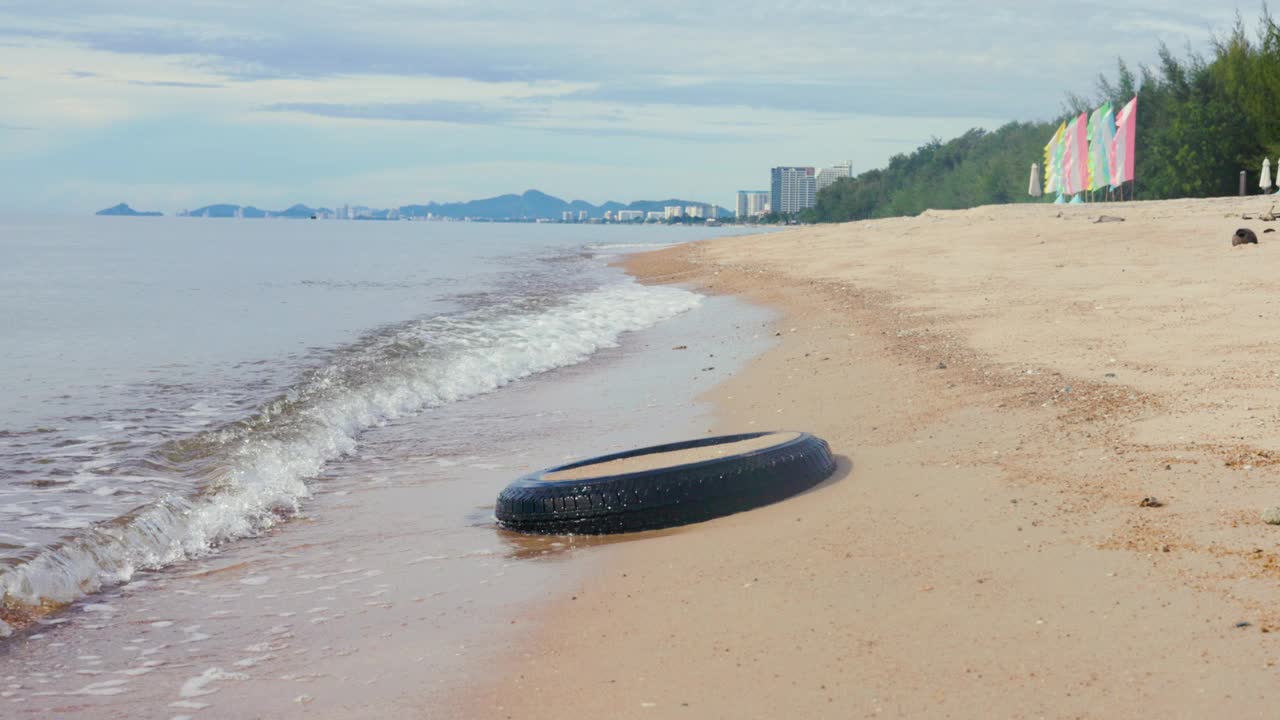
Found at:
(256, 470)
(608, 247)
(199, 685)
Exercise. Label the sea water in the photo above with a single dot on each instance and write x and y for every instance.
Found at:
(171, 385)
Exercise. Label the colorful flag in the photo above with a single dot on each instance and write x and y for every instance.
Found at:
(1053, 161)
(1090, 130)
(1123, 145)
(1101, 130)
(1076, 158)
(1067, 158)
(1105, 136)
(1060, 158)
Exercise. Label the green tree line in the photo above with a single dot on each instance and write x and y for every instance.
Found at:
(1201, 120)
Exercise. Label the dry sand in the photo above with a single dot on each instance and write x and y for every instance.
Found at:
(672, 458)
(1005, 385)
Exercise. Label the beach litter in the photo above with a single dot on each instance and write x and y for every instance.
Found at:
(1151, 502)
(1108, 219)
(1244, 236)
(665, 485)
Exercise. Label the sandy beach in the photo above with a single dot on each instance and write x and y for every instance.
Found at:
(1004, 386)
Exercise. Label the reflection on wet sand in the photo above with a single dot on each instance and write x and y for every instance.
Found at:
(520, 546)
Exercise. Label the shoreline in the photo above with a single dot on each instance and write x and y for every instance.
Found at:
(1007, 395)
(392, 585)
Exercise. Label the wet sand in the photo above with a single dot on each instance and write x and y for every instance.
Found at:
(393, 586)
(1004, 386)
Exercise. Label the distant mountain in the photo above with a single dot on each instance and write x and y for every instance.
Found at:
(124, 210)
(300, 211)
(530, 205)
(227, 211)
(534, 204)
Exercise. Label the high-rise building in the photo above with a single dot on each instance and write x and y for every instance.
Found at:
(566, 216)
(829, 175)
(582, 216)
(793, 189)
(752, 203)
(630, 215)
(673, 211)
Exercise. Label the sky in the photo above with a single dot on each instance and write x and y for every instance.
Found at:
(172, 105)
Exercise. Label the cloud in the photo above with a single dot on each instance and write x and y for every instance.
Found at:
(537, 115)
(929, 57)
(437, 111)
(850, 97)
(682, 136)
(327, 53)
(174, 84)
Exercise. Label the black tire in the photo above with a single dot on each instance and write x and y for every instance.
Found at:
(667, 496)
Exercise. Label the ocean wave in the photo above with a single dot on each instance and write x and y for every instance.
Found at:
(623, 247)
(253, 472)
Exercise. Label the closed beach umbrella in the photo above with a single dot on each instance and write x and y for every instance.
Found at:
(1034, 190)
(1265, 181)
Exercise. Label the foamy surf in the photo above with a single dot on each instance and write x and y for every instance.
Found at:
(255, 471)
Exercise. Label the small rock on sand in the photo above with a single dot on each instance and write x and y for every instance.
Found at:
(1150, 501)
(1271, 515)
(1107, 219)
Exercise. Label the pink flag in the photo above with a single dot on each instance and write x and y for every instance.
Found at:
(1076, 158)
(1123, 144)
(1069, 159)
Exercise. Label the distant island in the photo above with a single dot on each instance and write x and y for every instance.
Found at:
(125, 210)
(531, 206)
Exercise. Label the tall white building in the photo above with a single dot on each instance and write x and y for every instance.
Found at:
(673, 211)
(792, 189)
(630, 215)
(831, 174)
(752, 203)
